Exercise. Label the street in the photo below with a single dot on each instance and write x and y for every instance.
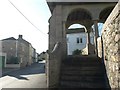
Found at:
(30, 77)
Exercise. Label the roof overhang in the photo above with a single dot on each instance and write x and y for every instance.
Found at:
(82, 0)
(53, 3)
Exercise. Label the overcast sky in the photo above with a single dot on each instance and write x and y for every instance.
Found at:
(12, 23)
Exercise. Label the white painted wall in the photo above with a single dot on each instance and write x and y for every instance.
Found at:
(72, 42)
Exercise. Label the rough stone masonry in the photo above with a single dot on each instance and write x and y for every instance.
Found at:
(111, 46)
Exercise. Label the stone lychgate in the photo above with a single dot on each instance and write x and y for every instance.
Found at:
(65, 14)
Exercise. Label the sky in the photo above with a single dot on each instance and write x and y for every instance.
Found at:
(12, 23)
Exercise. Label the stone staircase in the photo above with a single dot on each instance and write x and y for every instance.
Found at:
(83, 72)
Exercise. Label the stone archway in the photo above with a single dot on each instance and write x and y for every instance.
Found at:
(76, 36)
(82, 16)
(57, 31)
(78, 15)
(105, 13)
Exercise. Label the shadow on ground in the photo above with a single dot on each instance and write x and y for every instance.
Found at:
(36, 68)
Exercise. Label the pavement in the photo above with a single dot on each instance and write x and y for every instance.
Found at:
(30, 77)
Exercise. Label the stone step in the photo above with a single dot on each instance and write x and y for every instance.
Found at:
(86, 68)
(82, 84)
(83, 64)
(83, 78)
(83, 72)
(83, 58)
(82, 61)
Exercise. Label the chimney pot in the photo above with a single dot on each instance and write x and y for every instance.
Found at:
(20, 36)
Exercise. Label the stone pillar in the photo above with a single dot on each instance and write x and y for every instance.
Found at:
(88, 41)
(56, 38)
(90, 46)
(64, 41)
(96, 35)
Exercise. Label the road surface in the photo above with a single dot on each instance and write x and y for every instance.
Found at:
(29, 77)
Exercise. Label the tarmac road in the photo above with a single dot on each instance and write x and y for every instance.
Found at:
(29, 77)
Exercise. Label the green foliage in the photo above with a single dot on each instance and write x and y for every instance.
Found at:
(77, 52)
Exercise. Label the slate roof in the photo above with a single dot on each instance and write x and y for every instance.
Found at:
(76, 30)
(10, 38)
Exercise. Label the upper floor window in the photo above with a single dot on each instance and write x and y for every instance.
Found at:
(79, 40)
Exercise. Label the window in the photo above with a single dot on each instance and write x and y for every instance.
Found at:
(79, 40)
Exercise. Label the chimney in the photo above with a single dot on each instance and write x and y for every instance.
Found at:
(20, 36)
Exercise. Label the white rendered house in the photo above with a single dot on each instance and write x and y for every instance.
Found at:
(77, 39)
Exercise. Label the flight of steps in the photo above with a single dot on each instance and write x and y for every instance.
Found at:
(82, 72)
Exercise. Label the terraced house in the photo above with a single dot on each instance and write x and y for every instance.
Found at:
(19, 52)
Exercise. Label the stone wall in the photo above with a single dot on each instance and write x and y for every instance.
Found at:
(111, 46)
(9, 47)
(18, 48)
(56, 47)
(99, 42)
